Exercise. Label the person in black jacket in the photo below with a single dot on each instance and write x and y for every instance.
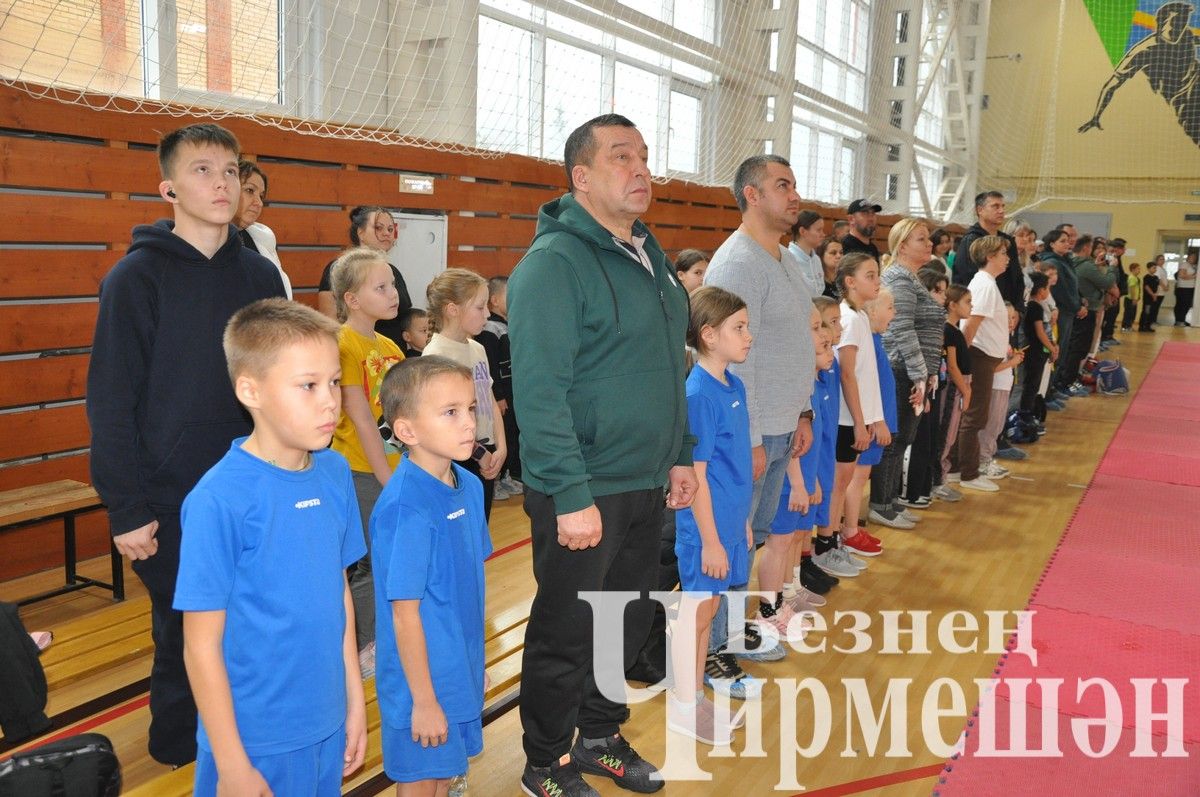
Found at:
(159, 401)
(989, 210)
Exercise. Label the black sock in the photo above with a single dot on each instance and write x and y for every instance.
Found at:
(766, 609)
(822, 544)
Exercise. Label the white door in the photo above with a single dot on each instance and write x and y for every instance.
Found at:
(419, 252)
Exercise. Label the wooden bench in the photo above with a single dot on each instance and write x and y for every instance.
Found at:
(64, 499)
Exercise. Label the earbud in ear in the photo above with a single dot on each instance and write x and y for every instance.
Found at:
(171, 194)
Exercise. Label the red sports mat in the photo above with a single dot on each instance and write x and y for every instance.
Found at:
(1119, 600)
(971, 775)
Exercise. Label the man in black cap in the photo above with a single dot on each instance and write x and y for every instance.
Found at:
(861, 215)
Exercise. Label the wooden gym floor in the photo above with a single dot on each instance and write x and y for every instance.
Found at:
(983, 554)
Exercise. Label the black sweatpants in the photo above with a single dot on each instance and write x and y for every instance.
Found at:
(172, 709)
(1110, 322)
(489, 486)
(558, 688)
(1035, 364)
(887, 475)
(1079, 345)
(1130, 313)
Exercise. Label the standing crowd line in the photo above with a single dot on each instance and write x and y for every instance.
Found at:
(307, 499)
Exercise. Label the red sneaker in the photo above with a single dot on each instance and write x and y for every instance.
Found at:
(862, 545)
(863, 531)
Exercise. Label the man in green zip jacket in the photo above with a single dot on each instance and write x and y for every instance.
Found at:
(597, 326)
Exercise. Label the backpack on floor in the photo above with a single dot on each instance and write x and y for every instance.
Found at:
(1112, 379)
(1020, 427)
(79, 766)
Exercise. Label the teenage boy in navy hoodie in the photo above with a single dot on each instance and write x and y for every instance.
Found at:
(159, 401)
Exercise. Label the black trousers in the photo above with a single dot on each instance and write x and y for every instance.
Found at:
(1035, 363)
(887, 475)
(172, 709)
(22, 680)
(919, 480)
(1183, 303)
(654, 652)
(558, 686)
(1130, 313)
(1110, 322)
(1080, 343)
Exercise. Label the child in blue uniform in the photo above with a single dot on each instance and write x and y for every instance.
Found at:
(268, 534)
(429, 539)
(802, 491)
(826, 403)
(712, 536)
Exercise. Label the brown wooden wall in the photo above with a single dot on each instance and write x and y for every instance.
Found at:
(75, 177)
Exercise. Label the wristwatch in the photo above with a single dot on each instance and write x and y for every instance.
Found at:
(807, 414)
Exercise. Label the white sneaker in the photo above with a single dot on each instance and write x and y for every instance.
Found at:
(981, 483)
(500, 492)
(513, 486)
(851, 559)
(993, 470)
(832, 564)
(911, 517)
(953, 478)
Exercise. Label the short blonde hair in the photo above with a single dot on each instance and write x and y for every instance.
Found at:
(452, 286)
(348, 274)
(985, 247)
(885, 293)
(257, 333)
(901, 231)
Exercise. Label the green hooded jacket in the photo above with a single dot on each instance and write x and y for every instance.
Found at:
(597, 361)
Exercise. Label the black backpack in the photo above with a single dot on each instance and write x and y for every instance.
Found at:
(80, 766)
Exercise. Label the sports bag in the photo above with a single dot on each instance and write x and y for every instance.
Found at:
(79, 766)
(1111, 378)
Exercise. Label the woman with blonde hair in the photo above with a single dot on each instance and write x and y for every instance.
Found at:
(913, 342)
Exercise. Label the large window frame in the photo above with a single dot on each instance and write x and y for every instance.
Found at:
(694, 87)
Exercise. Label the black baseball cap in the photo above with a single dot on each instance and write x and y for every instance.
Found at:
(1117, 242)
(863, 206)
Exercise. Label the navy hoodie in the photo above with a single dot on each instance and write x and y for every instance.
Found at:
(159, 399)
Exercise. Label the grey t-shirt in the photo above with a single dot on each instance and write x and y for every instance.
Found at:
(779, 372)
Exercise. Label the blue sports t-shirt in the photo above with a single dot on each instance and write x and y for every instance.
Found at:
(826, 402)
(887, 384)
(720, 420)
(428, 543)
(269, 547)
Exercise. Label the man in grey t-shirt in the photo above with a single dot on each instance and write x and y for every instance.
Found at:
(778, 374)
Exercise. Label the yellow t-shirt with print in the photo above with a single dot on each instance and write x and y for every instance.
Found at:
(365, 361)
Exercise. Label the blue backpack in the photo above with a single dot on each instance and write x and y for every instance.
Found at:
(1111, 378)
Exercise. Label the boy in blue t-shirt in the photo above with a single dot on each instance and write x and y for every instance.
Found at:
(429, 539)
(826, 402)
(267, 535)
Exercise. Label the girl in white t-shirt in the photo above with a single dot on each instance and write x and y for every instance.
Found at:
(1002, 384)
(861, 410)
(457, 300)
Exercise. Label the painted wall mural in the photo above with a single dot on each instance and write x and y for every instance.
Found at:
(1154, 39)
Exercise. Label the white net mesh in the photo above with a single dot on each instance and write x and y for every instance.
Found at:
(877, 98)
(1054, 66)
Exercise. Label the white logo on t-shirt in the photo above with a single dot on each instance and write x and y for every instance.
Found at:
(310, 502)
(456, 514)
(736, 403)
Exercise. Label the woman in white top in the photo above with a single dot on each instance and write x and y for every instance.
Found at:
(1185, 289)
(251, 200)
(807, 234)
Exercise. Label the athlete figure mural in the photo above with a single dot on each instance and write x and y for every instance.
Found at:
(1168, 59)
